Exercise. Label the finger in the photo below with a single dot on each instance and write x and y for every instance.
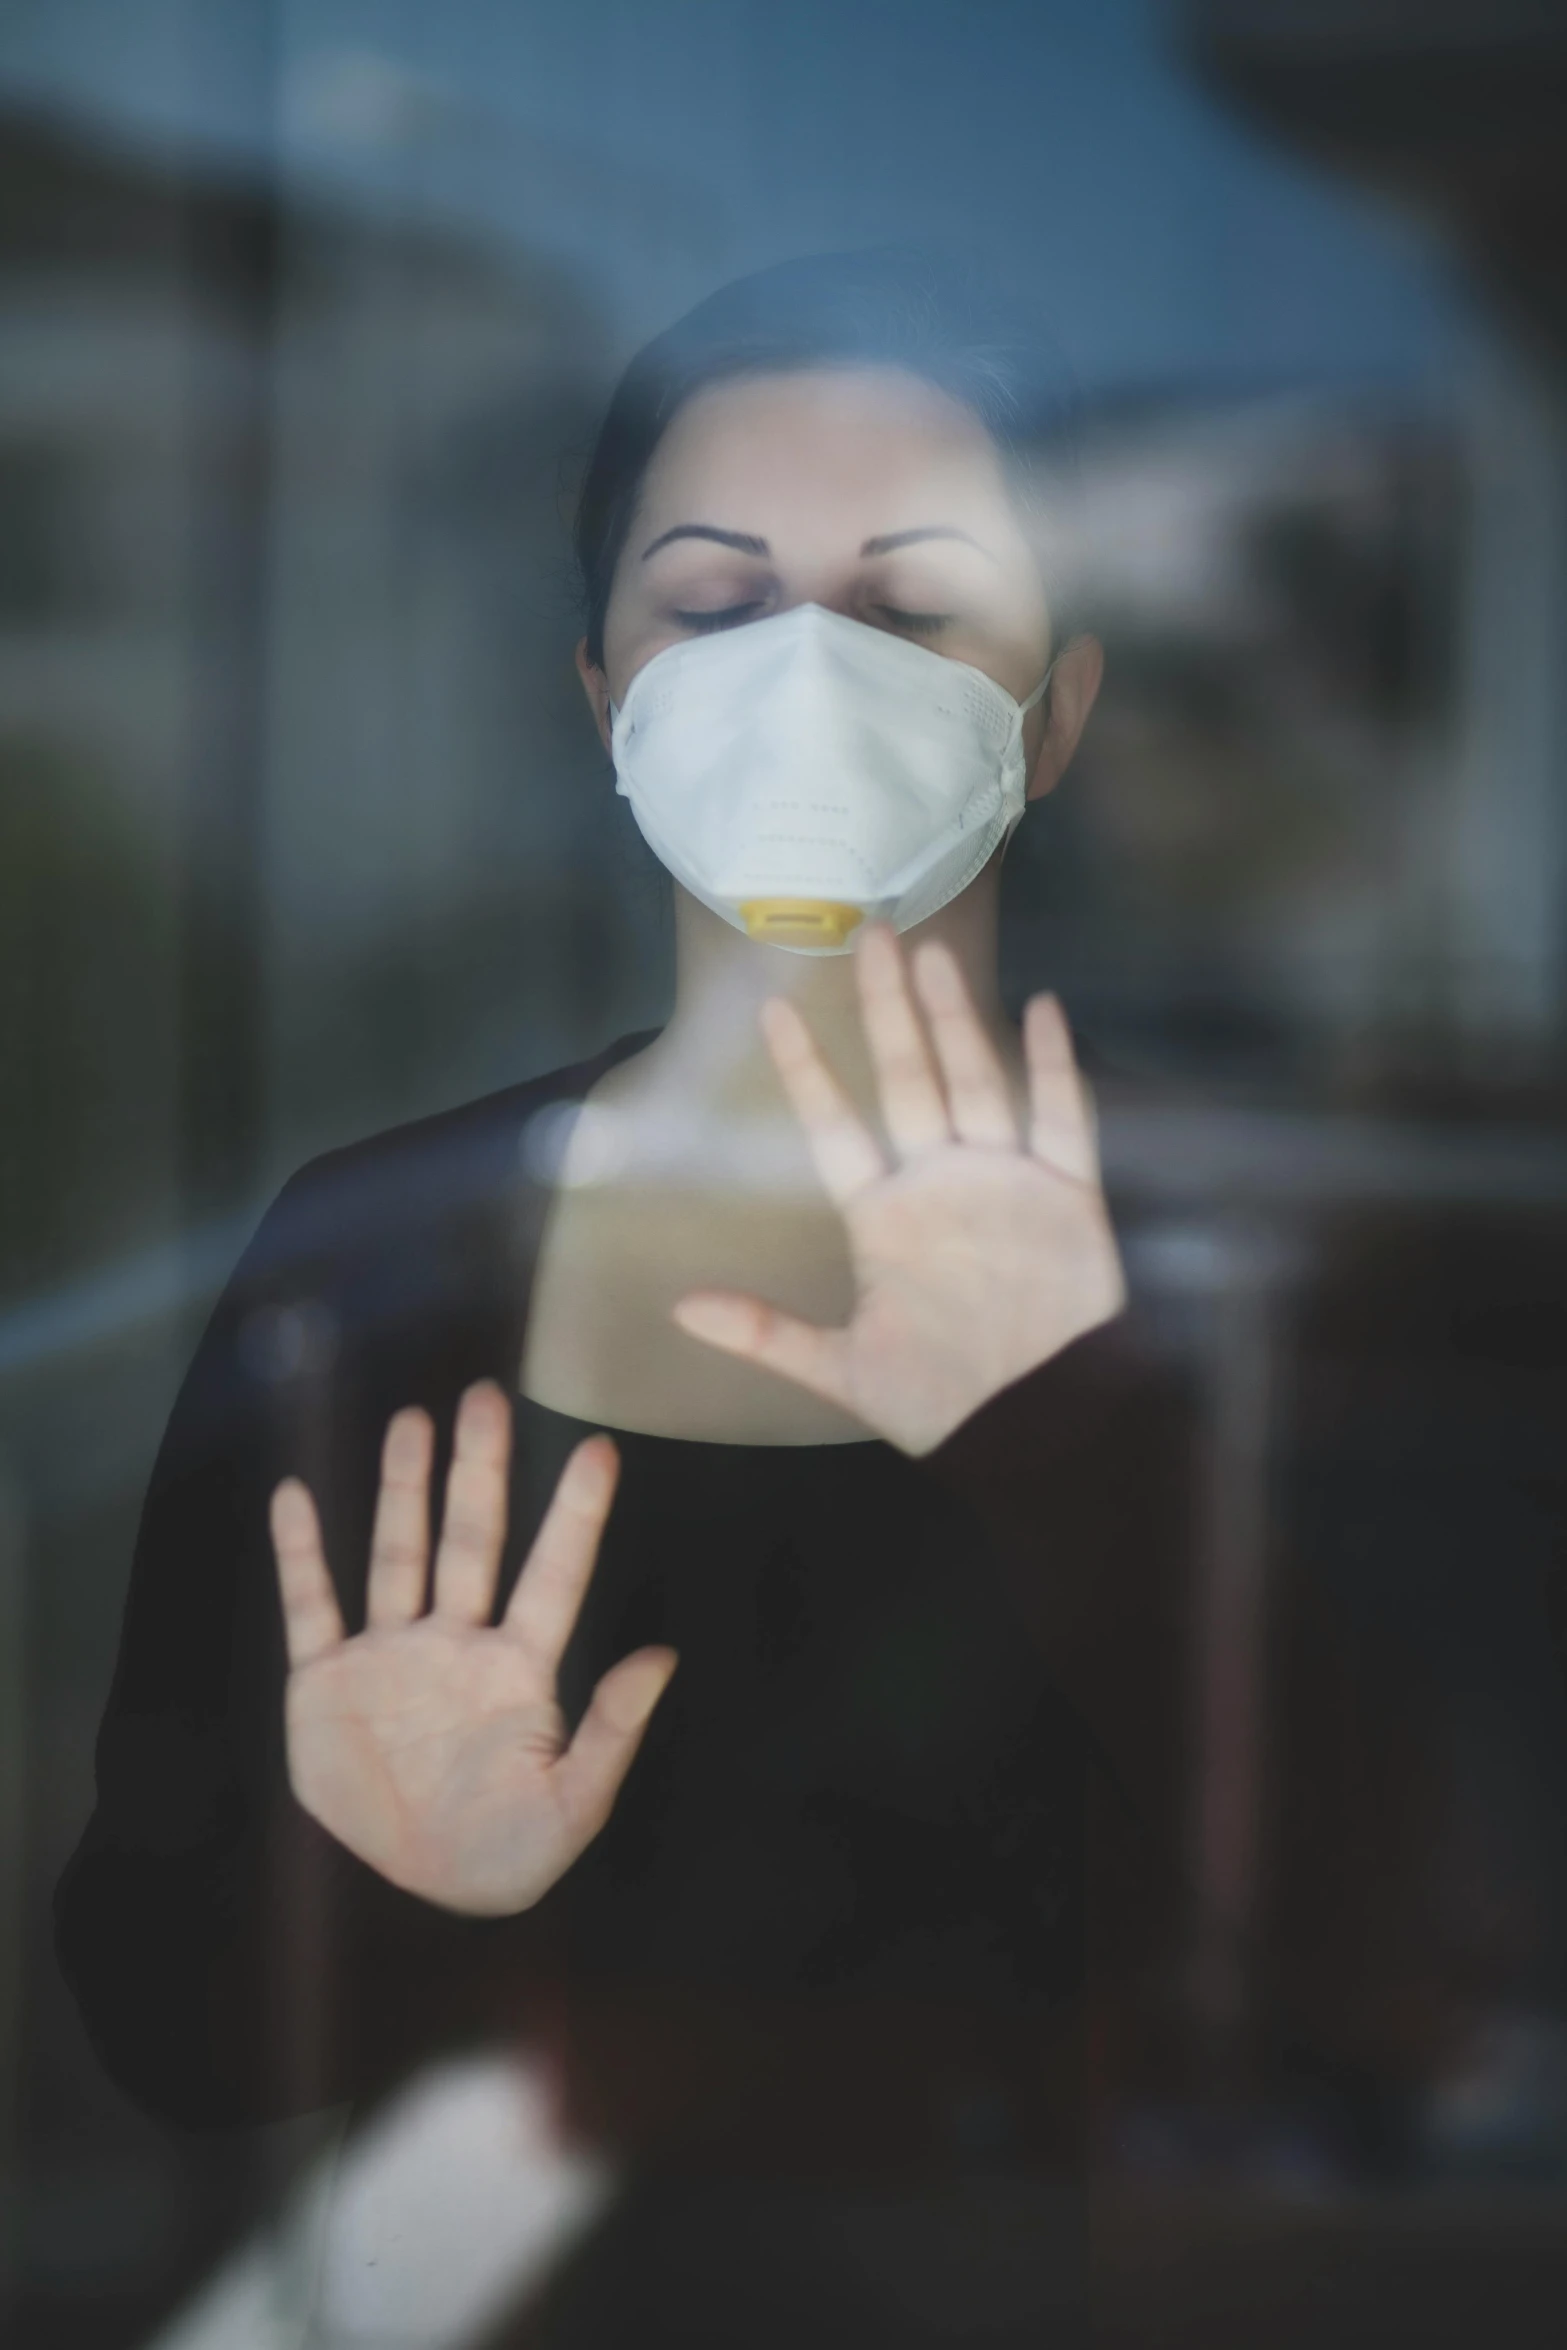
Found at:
(911, 1098)
(588, 1776)
(844, 1149)
(400, 1537)
(473, 1521)
(759, 1333)
(977, 1093)
(1061, 1122)
(544, 1606)
(312, 1619)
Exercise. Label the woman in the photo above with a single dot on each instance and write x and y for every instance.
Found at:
(799, 1922)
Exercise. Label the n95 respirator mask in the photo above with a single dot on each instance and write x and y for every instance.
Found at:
(803, 774)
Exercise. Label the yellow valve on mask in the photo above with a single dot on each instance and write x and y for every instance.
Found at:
(799, 922)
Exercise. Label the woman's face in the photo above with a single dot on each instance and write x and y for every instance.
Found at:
(865, 490)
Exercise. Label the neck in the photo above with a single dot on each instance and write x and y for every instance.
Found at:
(712, 1052)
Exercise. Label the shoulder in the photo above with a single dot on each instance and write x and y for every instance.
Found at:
(456, 1170)
(398, 1260)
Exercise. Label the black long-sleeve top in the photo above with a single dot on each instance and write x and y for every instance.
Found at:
(837, 1913)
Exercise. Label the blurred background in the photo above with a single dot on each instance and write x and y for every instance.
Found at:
(305, 314)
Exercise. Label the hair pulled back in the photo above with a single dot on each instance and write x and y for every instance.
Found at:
(886, 307)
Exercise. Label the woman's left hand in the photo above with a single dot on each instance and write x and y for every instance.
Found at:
(980, 1251)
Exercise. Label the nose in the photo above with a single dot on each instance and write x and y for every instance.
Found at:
(834, 590)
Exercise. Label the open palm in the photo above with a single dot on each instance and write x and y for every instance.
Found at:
(431, 1742)
(980, 1248)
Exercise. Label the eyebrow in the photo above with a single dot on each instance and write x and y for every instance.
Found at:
(745, 542)
(742, 541)
(911, 538)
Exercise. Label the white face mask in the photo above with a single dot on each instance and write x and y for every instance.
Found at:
(802, 774)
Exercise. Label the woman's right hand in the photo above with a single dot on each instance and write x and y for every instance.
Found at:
(431, 1743)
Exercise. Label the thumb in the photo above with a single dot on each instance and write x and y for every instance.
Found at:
(759, 1333)
(588, 1775)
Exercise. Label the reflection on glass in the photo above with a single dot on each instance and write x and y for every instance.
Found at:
(305, 833)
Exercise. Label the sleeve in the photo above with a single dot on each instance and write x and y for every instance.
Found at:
(231, 1961)
(1081, 1475)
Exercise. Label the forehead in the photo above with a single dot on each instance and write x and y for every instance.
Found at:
(859, 444)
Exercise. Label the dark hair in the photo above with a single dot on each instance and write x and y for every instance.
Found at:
(885, 307)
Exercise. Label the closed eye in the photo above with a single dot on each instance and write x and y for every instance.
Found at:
(728, 616)
(917, 623)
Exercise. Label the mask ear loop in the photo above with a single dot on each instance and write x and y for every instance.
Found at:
(1023, 709)
(1040, 690)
